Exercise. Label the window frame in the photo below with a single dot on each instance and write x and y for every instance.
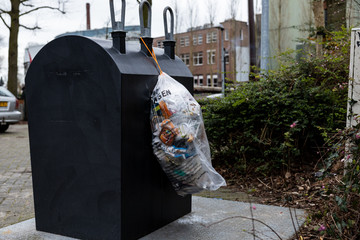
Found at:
(208, 80)
(208, 37)
(201, 80)
(198, 59)
(185, 57)
(226, 57)
(211, 56)
(200, 39)
(195, 40)
(187, 41)
(182, 42)
(214, 37)
(196, 78)
(215, 77)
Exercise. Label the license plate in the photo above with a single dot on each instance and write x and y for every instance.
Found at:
(3, 104)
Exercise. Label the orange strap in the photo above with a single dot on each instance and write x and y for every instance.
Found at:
(152, 54)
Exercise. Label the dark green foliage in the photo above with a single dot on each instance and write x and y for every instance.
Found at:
(343, 191)
(281, 119)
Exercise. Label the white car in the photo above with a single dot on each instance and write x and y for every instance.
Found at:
(8, 112)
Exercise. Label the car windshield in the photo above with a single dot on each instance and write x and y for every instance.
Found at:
(5, 93)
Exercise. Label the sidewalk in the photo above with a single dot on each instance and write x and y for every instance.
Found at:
(210, 219)
(16, 199)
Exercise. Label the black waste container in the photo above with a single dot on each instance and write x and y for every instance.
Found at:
(94, 172)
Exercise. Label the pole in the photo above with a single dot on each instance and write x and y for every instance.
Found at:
(222, 62)
(252, 33)
(264, 65)
(88, 26)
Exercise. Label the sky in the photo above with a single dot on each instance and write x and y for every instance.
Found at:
(53, 23)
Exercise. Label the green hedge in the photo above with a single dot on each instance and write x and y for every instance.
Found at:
(282, 118)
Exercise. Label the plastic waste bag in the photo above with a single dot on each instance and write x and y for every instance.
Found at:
(179, 140)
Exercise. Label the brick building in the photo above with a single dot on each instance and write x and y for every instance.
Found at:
(200, 49)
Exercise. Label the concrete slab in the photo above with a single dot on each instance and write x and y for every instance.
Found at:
(210, 219)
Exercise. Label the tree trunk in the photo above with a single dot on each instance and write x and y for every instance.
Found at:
(13, 47)
(318, 9)
(252, 34)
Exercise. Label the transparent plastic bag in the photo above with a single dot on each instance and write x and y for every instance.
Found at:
(179, 140)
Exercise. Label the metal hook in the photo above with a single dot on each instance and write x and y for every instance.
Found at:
(145, 31)
(169, 36)
(117, 26)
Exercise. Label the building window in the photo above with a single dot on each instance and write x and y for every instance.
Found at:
(194, 40)
(196, 80)
(185, 58)
(226, 34)
(182, 42)
(208, 37)
(208, 80)
(226, 57)
(187, 41)
(215, 80)
(200, 39)
(211, 56)
(214, 37)
(201, 80)
(198, 58)
(241, 34)
(160, 44)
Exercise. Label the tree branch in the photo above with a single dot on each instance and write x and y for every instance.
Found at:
(42, 7)
(26, 4)
(3, 11)
(3, 20)
(30, 28)
(357, 2)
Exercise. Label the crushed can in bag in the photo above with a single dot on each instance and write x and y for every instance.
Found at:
(179, 140)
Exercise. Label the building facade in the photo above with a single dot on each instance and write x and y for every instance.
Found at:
(200, 49)
(291, 21)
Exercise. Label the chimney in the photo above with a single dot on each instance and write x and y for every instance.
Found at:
(88, 27)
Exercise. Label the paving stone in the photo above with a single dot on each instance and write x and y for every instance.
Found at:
(16, 199)
(16, 204)
(210, 219)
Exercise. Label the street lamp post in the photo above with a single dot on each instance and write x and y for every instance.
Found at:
(221, 27)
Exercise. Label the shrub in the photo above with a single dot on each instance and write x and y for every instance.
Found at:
(342, 218)
(280, 119)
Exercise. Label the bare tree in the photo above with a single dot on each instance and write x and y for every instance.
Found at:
(18, 9)
(1, 58)
(176, 15)
(177, 20)
(192, 14)
(233, 6)
(212, 7)
(318, 9)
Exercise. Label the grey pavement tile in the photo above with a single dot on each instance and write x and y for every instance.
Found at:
(16, 198)
(210, 219)
(16, 204)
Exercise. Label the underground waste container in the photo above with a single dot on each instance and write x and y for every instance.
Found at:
(94, 173)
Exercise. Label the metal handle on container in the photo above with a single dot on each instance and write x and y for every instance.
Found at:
(169, 43)
(118, 33)
(145, 31)
(117, 26)
(169, 35)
